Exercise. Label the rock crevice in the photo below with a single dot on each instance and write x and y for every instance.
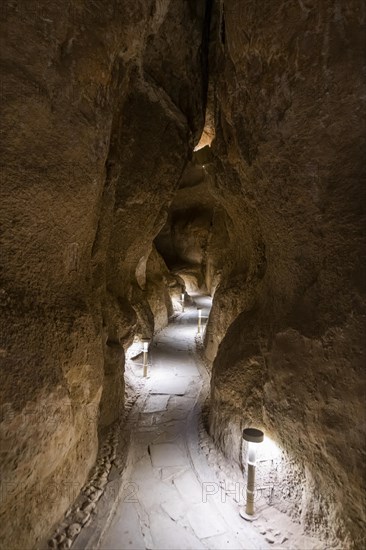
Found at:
(157, 146)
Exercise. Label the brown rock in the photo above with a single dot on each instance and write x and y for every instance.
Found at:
(65, 544)
(105, 221)
(289, 311)
(89, 108)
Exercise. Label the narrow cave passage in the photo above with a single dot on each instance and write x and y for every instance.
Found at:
(166, 492)
(173, 495)
(154, 148)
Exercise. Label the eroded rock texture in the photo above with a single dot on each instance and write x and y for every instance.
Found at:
(194, 239)
(102, 104)
(105, 222)
(288, 315)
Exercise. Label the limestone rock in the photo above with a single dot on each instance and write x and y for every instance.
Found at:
(287, 320)
(108, 216)
(73, 530)
(97, 127)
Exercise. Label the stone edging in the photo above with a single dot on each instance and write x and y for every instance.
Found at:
(87, 519)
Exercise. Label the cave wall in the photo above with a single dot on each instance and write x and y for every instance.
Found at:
(287, 324)
(163, 289)
(96, 133)
(101, 105)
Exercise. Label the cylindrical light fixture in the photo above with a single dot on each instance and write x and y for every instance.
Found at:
(182, 301)
(253, 437)
(145, 349)
(199, 309)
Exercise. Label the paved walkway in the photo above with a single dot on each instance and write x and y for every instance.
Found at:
(167, 502)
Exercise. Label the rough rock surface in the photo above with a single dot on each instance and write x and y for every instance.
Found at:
(194, 239)
(289, 314)
(102, 105)
(95, 134)
(162, 287)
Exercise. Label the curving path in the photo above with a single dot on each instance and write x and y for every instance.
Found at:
(167, 501)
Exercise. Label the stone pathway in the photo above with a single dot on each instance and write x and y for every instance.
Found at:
(172, 499)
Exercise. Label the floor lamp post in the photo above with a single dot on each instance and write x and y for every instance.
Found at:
(145, 344)
(199, 319)
(253, 437)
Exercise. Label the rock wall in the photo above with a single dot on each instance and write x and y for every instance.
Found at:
(102, 105)
(162, 288)
(97, 128)
(288, 317)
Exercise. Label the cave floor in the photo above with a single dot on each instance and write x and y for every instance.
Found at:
(167, 502)
(172, 497)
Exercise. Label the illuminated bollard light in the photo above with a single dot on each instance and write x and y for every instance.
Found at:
(253, 437)
(199, 319)
(145, 344)
(182, 301)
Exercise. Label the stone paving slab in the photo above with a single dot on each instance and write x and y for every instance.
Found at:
(175, 508)
(189, 488)
(224, 542)
(205, 521)
(143, 469)
(167, 474)
(176, 414)
(152, 491)
(189, 369)
(156, 403)
(126, 532)
(170, 535)
(175, 386)
(167, 454)
(178, 402)
(172, 432)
